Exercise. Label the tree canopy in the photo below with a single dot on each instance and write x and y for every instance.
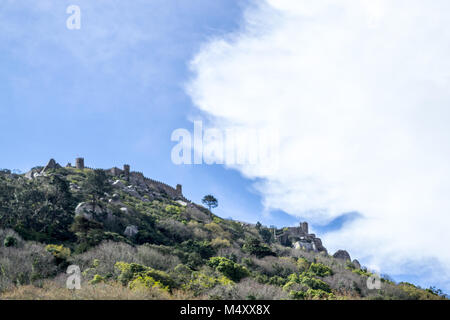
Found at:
(210, 201)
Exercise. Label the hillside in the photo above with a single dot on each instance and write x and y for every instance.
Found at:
(137, 238)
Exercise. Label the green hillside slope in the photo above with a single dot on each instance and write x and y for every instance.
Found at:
(136, 238)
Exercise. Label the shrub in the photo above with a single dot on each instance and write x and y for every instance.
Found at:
(199, 282)
(248, 289)
(306, 280)
(272, 266)
(102, 258)
(173, 210)
(145, 281)
(10, 241)
(253, 246)
(203, 248)
(297, 295)
(152, 257)
(318, 294)
(59, 252)
(97, 279)
(217, 230)
(277, 281)
(129, 272)
(19, 266)
(228, 268)
(220, 243)
(320, 270)
(362, 272)
(302, 264)
(175, 230)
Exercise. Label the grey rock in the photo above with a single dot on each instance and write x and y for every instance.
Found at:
(87, 210)
(131, 231)
(304, 245)
(118, 184)
(51, 165)
(319, 246)
(342, 254)
(356, 264)
(182, 203)
(74, 187)
(33, 173)
(132, 192)
(29, 174)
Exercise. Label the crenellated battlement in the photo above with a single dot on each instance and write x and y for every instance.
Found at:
(172, 192)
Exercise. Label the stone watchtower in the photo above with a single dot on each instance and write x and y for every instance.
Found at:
(126, 169)
(79, 163)
(179, 189)
(304, 227)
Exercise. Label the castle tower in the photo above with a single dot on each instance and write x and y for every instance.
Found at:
(304, 227)
(179, 189)
(126, 169)
(79, 163)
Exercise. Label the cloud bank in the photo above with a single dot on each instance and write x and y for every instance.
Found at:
(359, 93)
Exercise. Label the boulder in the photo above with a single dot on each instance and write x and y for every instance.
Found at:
(181, 202)
(130, 231)
(51, 165)
(29, 174)
(87, 210)
(342, 254)
(319, 246)
(356, 264)
(304, 245)
(132, 192)
(118, 184)
(33, 173)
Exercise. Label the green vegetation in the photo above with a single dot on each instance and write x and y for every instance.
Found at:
(177, 250)
(228, 268)
(254, 246)
(320, 270)
(210, 201)
(10, 241)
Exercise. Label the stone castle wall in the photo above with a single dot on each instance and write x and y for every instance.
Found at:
(175, 193)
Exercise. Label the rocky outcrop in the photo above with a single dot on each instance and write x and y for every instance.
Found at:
(356, 264)
(131, 231)
(118, 184)
(308, 246)
(33, 173)
(87, 210)
(342, 254)
(51, 165)
(300, 238)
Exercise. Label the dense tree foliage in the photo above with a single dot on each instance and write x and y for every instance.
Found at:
(210, 201)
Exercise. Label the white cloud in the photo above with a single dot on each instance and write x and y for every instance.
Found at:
(359, 92)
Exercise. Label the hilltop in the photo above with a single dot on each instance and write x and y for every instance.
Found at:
(134, 237)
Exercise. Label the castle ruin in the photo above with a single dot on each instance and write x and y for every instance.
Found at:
(139, 178)
(300, 238)
(79, 163)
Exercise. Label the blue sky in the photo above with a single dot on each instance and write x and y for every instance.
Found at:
(115, 90)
